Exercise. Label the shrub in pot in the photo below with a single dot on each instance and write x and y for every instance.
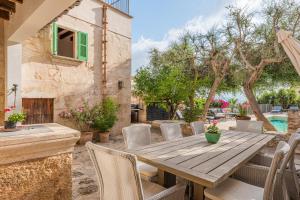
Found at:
(13, 119)
(105, 116)
(82, 118)
(190, 114)
(243, 111)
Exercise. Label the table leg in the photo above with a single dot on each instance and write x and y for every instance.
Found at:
(166, 179)
(198, 192)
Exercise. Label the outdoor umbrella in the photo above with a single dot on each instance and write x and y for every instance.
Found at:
(291, 46)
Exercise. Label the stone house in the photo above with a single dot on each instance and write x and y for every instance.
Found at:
(82, 55)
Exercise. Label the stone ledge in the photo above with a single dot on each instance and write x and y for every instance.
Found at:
(58, 140)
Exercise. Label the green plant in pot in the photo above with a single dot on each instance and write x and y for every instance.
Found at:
(213, 133)
(105, 116)
(243, 111)
(82, 117)
(13, 119)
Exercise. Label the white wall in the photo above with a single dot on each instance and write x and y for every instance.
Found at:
(14, 73)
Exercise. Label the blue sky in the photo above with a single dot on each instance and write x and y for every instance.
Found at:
(157, 23)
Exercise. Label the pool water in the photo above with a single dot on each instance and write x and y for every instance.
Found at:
(280, 123)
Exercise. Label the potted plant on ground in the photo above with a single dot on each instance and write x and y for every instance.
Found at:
(83, 119)
(105, 116)
(13, 119)
(243, 111)
(213, 133)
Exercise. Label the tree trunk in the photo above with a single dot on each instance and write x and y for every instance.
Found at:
(211, 96)
(172, 111)
(254, 105)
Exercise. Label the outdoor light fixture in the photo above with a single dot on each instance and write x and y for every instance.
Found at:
(120, 85)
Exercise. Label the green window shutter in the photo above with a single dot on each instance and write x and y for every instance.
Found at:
(82, 46)
(54, 38)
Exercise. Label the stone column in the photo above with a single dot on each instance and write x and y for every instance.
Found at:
(2, 72)
(36, 162)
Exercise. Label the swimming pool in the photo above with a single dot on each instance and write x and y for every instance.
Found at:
(280, 123)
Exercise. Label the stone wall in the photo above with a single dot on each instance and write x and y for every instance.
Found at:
(41, 179)
(70, 82)
(294, 121)
(2, 72)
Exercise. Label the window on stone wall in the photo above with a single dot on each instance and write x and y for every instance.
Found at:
(68, 43)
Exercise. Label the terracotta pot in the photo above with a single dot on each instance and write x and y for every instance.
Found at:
(186, 130)
(104, 137)
(243, 118)
(85, 137)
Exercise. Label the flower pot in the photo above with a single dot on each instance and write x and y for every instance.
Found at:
(243, 118)
(85, 137)
(10, 125)
(212, 137)
(104, 137)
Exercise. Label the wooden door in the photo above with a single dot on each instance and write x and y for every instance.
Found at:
(38, 110)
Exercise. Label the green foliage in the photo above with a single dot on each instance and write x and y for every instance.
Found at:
(232, 103)
(191, 114)
(17, 117)
(284, 97)
(162, 82)
(243, 109)
(105, 115)
(213, 129)
(200, 103)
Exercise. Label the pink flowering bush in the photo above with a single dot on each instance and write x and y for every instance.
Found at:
(82, 117)
(219, 103)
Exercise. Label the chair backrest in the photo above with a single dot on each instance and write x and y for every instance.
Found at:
(179, 114)
(137, 135)
(277, 108)
(249, 126)
(171, 131)
(117, 173)
(294, 141)
(197, 127)
(280, 153)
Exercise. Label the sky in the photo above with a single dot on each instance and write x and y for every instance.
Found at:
(158, 23)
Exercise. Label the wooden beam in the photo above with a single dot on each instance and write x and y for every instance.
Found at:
(17, 1)
(66, 34)
(4, 14)
(7, 6)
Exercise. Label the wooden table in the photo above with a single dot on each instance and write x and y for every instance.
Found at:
(204, 164)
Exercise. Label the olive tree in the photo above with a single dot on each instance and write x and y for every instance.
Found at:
(256, 44)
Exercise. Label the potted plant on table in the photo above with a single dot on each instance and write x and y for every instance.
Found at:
(213, 133)
(13, 119)
(243, 111)
(105, 116)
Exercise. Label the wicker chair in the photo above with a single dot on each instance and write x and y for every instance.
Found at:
(197, 127)
(233, 189)
(171, 131)
(119, 179)
(256, 171)
(249, 126)
(136, 136)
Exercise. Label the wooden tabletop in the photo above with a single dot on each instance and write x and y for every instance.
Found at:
(194, 159)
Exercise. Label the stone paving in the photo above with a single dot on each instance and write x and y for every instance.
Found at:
(84, 178)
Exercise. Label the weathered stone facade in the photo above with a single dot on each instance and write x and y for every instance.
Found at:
(69, 81)
(40, 179)
(2, 72)
(293, 121)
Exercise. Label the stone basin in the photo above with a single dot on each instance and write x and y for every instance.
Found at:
(35, 162)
